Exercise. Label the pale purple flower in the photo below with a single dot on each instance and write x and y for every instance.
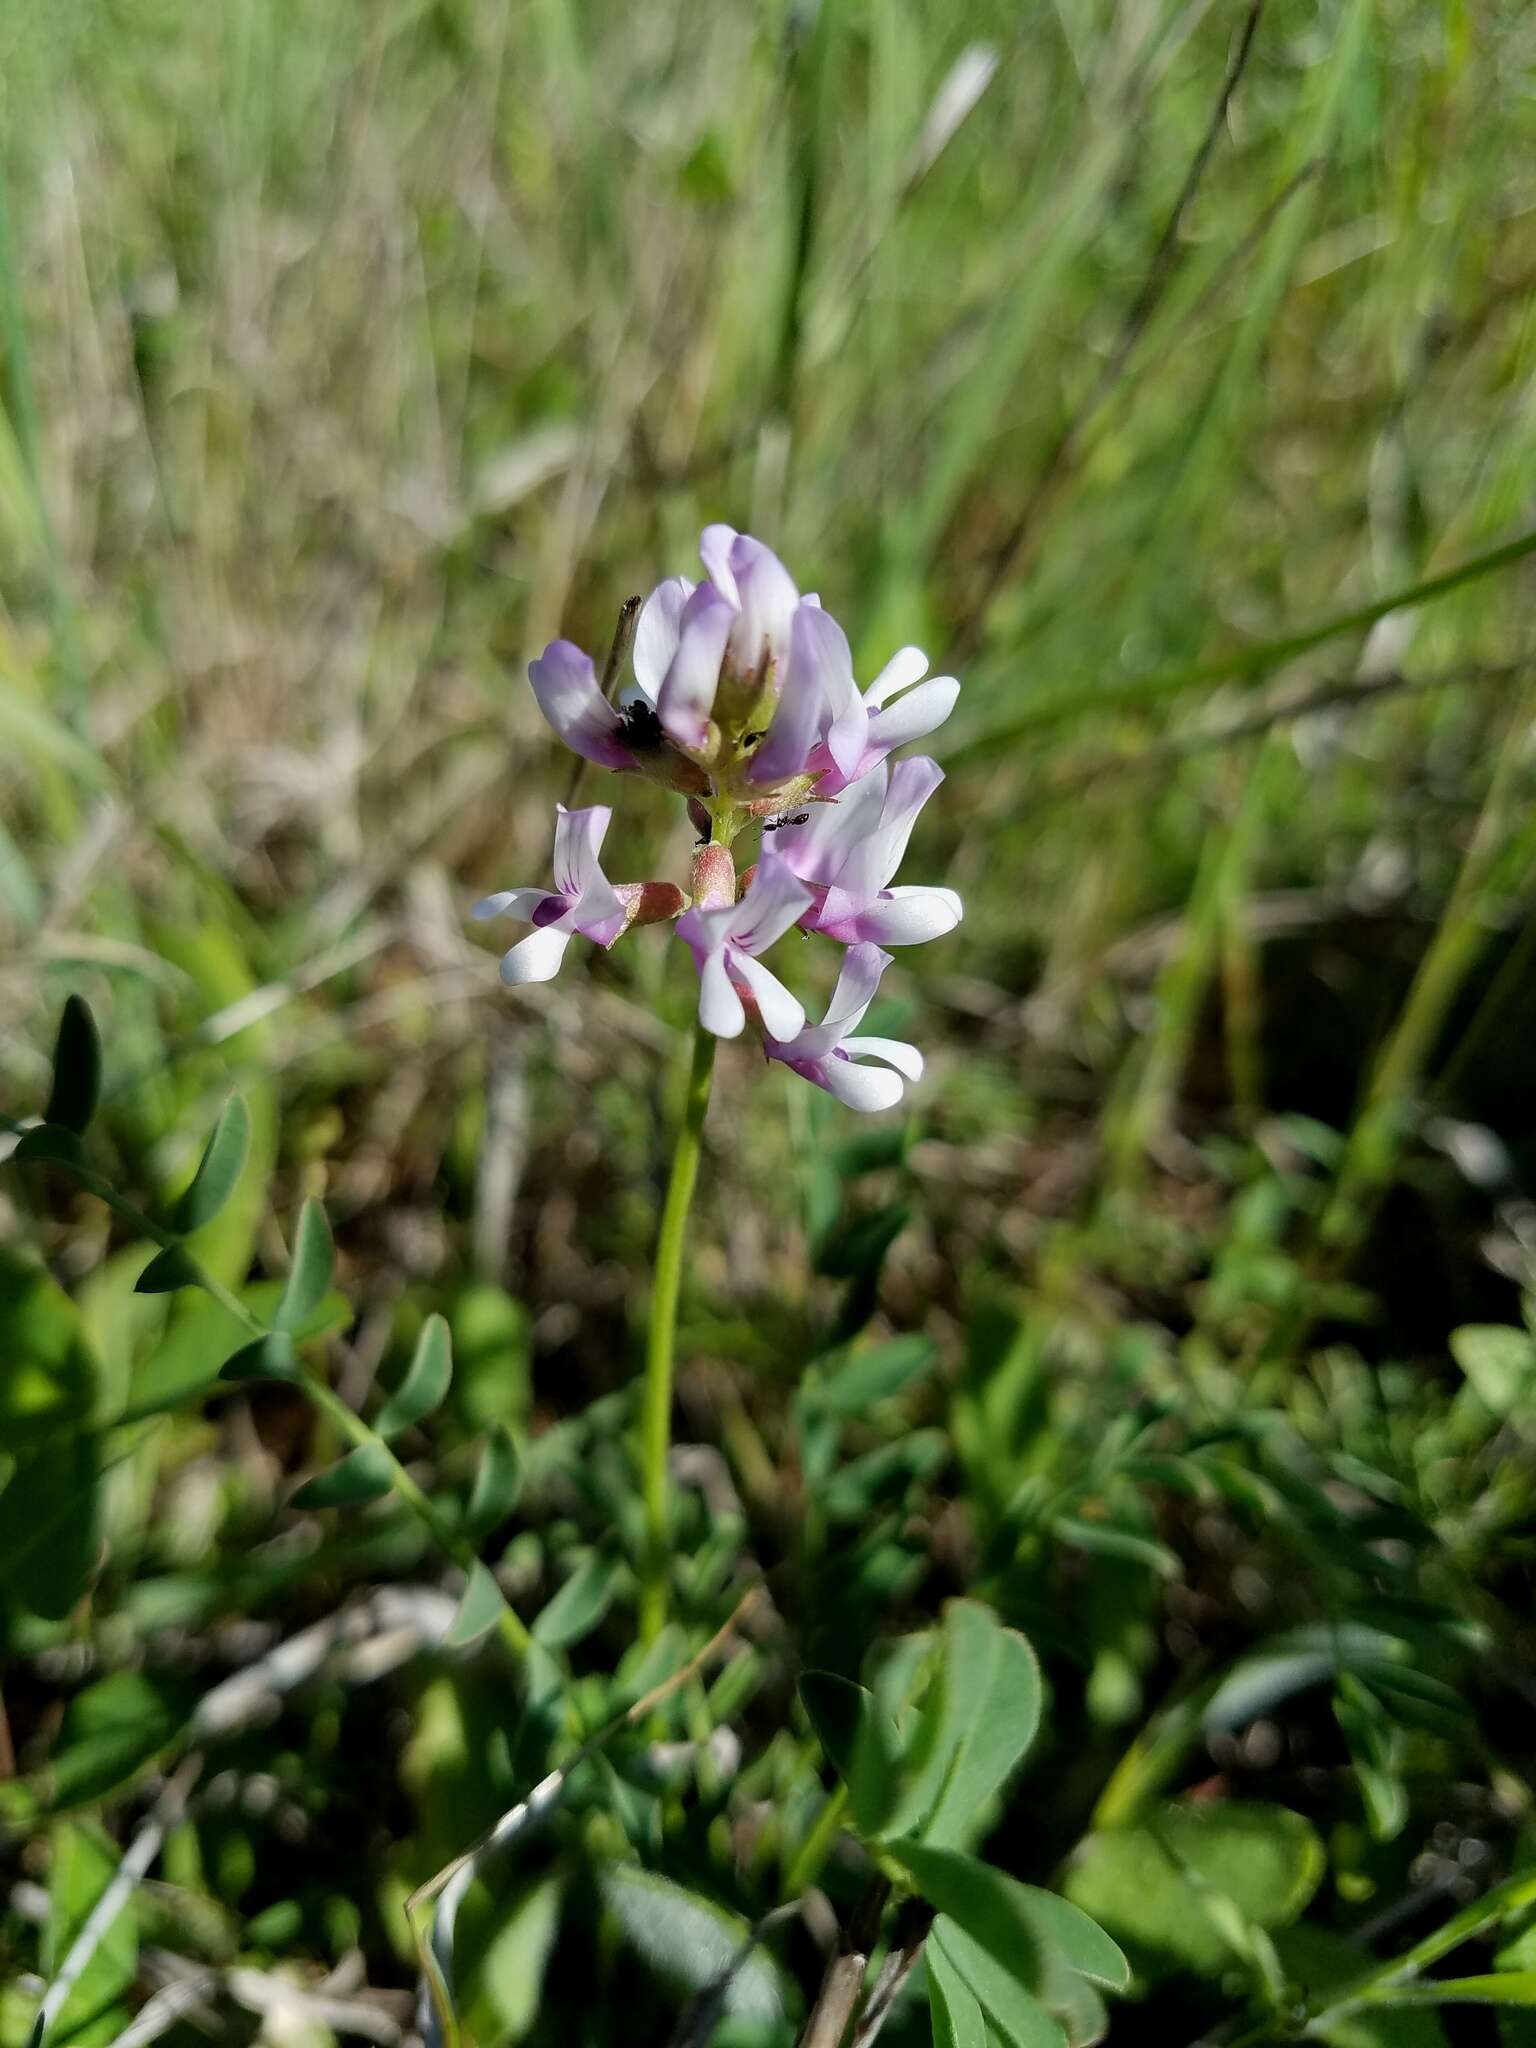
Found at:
(830, 1055)
(848, 850)
(746, 625)
(897, 707)
(725, 943)
(566, 685)
(582, 900)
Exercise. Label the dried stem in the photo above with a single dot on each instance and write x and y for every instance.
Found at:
(843, 1982)
(618, 654)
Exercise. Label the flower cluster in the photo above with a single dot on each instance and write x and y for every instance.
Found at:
(744, 701)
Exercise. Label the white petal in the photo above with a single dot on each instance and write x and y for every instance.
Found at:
(857, 981)
(782, 1015)
(565, 684)
(538, 957)
(687, 694)
(715, 544)
(578, 838)
(906, 1059)
(656, 634)
(720, 1008)
(771, 905)
(909, 916)
(866, 1088)
(510, 903)
(877, 856)
(906, 667)
(921, 711)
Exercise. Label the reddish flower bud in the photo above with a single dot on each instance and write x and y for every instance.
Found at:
(713, 881)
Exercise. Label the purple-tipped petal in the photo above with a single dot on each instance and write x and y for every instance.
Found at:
(565, 684)
(817, 849)
(816, 647)
(782, 1014)
(579, 837)
(522, 903)
(656, 634)
(687, 694)
(601, 912)
(907, 666)
(776, 899)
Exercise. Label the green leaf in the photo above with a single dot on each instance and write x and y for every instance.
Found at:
(957, 2018)
(1500, 1363)
(1507, 1987)
(1010, 2006)
(498, 1483)
(1104, 1539)
(111, 1730)
(690, 1941)
(167, 1271)
(1022, 1927)
(858, 1249)
(49, 1145)
(1319, 1963)
(860, 1740)
(579, 1605)
(76, 1069)
(426, 1381)
(310, 1274)
(1155, 1886)
(50, 1523)
(979, 1718)
(873, 1375)
(84, 1864)
(502, 1965)
(219, 1169)
(271, 1357)
(203, 1335)
(50, 1378)
(363, 1475)
(479, 1609)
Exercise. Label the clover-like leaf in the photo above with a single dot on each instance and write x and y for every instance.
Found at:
(426, 1381)
(76, 1069)
(218, 1171)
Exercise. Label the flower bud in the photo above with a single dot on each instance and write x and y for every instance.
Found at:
(713, 881)
(649, 903)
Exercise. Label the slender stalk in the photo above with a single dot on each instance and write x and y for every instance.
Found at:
(661, 1342)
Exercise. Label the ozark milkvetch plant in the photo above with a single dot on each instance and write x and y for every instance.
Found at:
(744, 702)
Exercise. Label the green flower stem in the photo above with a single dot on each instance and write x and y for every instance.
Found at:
(661, 1342)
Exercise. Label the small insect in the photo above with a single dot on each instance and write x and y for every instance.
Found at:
(778, 824)
(639, 727)
(751, 739)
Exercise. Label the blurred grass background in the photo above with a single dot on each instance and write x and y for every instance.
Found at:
(350, 353)
(1133, 356)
